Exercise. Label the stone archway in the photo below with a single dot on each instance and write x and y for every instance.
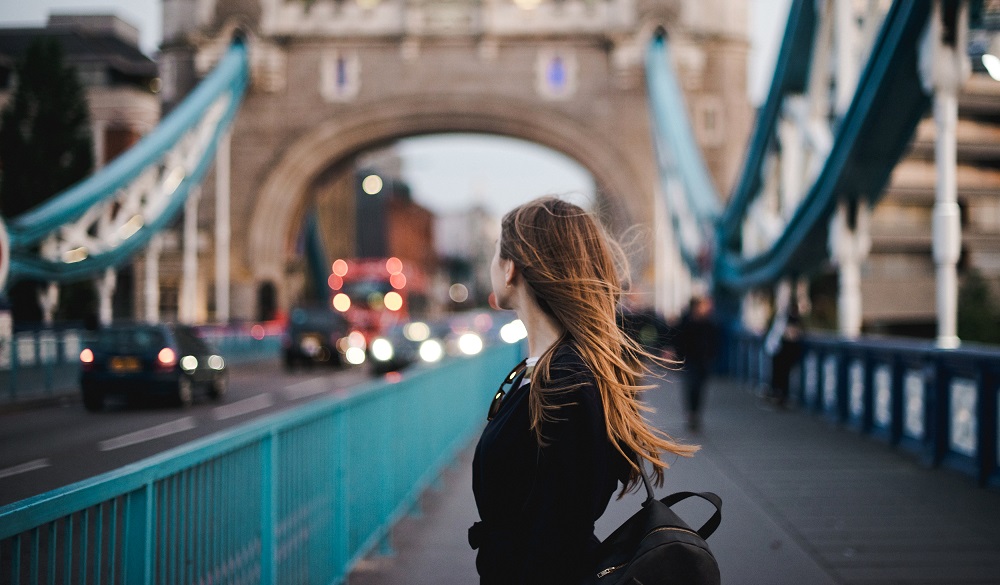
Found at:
(623, 177)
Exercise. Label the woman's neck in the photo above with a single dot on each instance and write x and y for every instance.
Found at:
(543, 330)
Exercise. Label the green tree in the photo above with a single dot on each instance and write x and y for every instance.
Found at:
(45, 140)
(45, 143)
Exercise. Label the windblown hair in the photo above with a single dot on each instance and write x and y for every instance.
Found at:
(571, 266)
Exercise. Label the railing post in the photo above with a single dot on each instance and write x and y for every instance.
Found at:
(268, 456)
(989, 423)
(342, 518)
(139, 519)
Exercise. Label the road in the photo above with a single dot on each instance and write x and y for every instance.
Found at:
(55, 445)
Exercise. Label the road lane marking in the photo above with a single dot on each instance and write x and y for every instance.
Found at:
(307, 388)
(247, 405)
(170, 428)
(24, 467)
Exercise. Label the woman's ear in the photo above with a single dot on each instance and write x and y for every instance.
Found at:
(510, 273)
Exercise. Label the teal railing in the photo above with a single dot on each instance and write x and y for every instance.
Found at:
(298, 497)
(941, 405)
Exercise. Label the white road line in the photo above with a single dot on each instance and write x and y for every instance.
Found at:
(170, 428)
(24, 467)
(259, 402)
(307, 388)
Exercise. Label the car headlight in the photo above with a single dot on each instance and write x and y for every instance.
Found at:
(216, 362)
(355, 355)
(470, 344)
(310, 346)
(382, 349)
(189, 363)
(431, 350)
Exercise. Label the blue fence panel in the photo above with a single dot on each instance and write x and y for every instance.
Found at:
(297, 497)
(940, 405)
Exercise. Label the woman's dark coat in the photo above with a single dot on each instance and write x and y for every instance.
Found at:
(538, 504)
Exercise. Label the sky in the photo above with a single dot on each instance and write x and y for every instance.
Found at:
(449, 173)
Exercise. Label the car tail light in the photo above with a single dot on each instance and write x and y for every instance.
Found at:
(87, 359)
(166, 359)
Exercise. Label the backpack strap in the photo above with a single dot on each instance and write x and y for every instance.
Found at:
(709, 527)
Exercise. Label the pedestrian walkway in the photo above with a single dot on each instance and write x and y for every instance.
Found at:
(804, 503)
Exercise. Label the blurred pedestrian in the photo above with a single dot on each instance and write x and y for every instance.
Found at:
(784, 345)
(697, 338)
(565, 428)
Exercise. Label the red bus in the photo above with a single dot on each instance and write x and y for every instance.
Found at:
(376, 293)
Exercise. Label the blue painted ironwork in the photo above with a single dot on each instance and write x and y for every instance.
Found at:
(870, 139)
(690, 197)
(298, 497)
(941, 405)
(221, 91)
(791, 75)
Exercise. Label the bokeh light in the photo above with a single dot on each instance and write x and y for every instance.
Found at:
(382, 349)
(257, 332)
(341, 302)
(397, 280)
(393, 301)
(335, 282)
(340, 267)
(458, 292)
(394, 265)
(513, 332)
(416, 331)
(431, 351)
(372, 184)
(355, 355)
(470, 344)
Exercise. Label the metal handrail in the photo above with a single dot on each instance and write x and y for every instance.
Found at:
(301, 495)
(940, 405)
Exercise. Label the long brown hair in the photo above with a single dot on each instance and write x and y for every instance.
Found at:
(572, 268)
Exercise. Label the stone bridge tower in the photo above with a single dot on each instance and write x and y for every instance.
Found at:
(334, 78)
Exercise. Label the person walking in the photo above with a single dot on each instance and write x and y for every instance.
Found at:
(697, 339)
(784, 345)
(566, 427)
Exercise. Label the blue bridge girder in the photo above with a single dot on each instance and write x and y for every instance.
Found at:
(138, 194)
(868, 141)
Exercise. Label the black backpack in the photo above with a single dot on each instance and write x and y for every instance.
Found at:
(656, 547)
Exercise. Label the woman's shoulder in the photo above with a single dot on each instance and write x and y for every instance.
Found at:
(567, 357)
(568, 368)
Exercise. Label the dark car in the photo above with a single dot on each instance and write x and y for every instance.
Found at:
(137, 361)
(316, 335)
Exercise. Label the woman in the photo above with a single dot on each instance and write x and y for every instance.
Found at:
(569, 429)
